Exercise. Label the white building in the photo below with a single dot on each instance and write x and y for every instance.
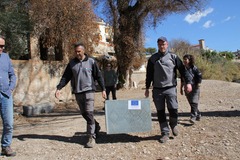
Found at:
(105, 45)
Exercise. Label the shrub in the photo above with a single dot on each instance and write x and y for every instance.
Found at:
(214, 66)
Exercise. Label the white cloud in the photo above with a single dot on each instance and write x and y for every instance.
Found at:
(191, 18)
(208, 24)
(228, 19)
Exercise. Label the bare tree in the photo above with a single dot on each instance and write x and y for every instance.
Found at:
(128, 18)
(64, 22)
(181, 47)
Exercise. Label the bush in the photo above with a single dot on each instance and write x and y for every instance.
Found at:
(214, 66)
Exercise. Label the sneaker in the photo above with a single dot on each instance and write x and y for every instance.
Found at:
(164, 138)
(192, 120)
(97, 129)
(90, 143)
(175, 131)
(7, 151)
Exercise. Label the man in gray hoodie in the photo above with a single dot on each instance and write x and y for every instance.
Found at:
(83, 71)
(162, 73)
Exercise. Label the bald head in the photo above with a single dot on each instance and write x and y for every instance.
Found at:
(2, 44)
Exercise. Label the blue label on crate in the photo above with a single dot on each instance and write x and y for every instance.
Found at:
(134, 104)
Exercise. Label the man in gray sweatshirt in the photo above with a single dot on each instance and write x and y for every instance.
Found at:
(82, 71)
(162, 73)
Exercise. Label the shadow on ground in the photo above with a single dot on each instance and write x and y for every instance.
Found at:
(235, 113)
(81, 138)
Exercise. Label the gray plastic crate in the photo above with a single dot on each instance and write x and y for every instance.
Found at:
(125, 116)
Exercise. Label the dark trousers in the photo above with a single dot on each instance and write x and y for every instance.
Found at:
(194, 110)
(166, 97)
(193, 99)
(86, 105)
(173, 120)
(111, 89)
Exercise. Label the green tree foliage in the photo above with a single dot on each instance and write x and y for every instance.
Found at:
(210, 55)
(227, 55)
(15, 26)
(150, 50)
(128, 18)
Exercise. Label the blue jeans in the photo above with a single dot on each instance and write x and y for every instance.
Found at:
(6, 108)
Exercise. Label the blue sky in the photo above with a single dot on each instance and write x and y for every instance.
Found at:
(218, 24)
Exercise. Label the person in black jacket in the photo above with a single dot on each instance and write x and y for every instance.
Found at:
(83, 71)
(111, 80)
(162, 73)
(196, 80)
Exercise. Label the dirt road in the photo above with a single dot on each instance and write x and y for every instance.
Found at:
(61, 135)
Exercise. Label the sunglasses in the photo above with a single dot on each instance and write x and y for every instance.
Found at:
(2, 46)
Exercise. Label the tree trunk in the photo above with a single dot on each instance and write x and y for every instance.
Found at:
(127, 44)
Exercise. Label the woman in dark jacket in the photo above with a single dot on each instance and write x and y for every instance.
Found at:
(196, 79)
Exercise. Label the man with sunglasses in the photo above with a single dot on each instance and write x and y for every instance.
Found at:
(7, 84)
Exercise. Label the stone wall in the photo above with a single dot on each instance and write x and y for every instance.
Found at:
(36, 82)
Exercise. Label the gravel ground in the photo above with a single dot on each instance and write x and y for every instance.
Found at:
(61, 135)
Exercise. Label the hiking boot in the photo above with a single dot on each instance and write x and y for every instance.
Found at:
(7, 151)
(175, 131)
(97, 129)
(164, 138)
(90, 143)
(198, 118)
(193, 120)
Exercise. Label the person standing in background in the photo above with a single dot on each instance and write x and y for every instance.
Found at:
(196, 80)
(7, 85)
(111, 80)
(82, 71)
